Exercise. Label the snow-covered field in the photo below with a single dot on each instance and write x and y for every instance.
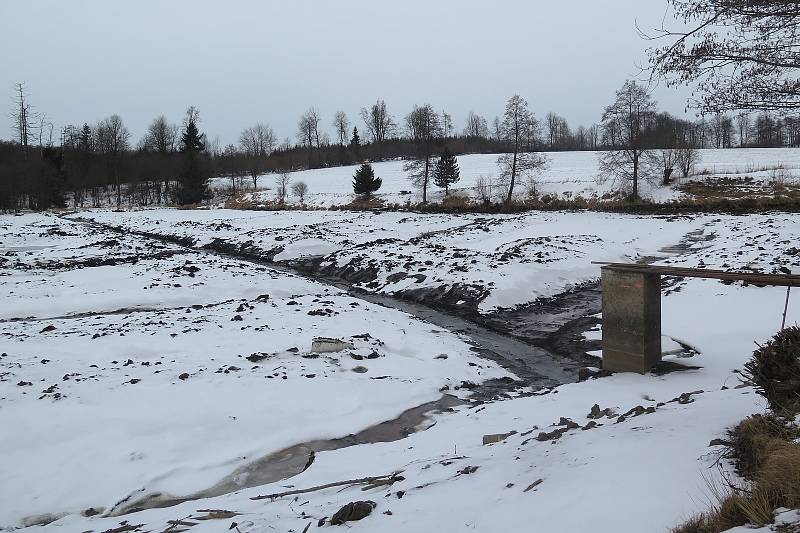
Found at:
(569, 175)
(124, 370)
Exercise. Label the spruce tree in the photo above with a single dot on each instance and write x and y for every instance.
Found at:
(355, 142)
(193, 185)
(446, 172)
(364, 181)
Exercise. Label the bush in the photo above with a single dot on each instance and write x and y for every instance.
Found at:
(456, 201)
(775, 371)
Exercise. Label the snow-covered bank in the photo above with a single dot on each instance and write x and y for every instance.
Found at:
(494, 261)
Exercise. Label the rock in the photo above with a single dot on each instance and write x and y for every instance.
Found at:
(534, 485)
(569, 424)
(553, 435)
(441, 356)
(352, 512)
(256, 357)
(360, 370)
(499, 437)
(587, 373)
(596, 413)
(719, 442)
(48, 328)
(327, 345)
(184, 376)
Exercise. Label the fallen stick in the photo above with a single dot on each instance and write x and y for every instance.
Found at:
(385, 480)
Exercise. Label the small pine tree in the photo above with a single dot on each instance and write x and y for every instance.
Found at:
(355, 142)
(364, 181)
(446, 172)
(193, 184)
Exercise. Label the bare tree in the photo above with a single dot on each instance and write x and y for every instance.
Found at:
(594, 136)
(483, 188)
(22, 116)
(625, 124)
(161, 136)
(476, 126)
(743, 126)
(737, 54)
(424, 128)
(380, 124)
(519, 129)
(668, 158)
(308, 132)
(257, 142)
(686, 157)
(342, 126)
(553, 122)
(112, 139)
(497, 129)
(300, 189)
(447, 124)
(282, 182)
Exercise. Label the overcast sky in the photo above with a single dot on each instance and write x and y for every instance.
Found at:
(244, 61)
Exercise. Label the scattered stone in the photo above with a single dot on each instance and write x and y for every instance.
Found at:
(587, 373)
(569, 424)
(256, 357)
(552, 435)
(499, 437)
(596, 413)
(534, 485)
(636, 411)
(467, 470)
(327, 345)
(352, 512)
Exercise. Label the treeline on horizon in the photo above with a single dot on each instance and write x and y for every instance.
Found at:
(99, 164)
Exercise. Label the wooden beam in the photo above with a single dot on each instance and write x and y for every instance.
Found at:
(756, 278)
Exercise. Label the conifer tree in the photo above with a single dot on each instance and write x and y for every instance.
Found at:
(355, 142)
(446, 172)
(364, 181)
(193, 185)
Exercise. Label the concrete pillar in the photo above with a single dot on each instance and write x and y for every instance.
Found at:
(631, 320)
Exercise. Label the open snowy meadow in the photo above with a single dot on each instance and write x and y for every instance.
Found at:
(568, 175)
(159, 369)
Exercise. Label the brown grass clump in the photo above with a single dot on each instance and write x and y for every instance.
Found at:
(775, 371)
(755, 439)
(456, 201)
(764, 451)
(361, 203)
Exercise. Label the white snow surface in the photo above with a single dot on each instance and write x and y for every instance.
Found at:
(106, 437)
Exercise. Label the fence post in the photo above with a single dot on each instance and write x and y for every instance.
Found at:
(631, 320)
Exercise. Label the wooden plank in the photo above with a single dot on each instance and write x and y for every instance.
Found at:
(756, 278)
